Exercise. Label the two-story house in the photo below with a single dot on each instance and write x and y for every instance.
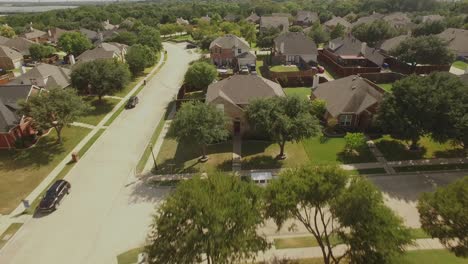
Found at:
(232, 51)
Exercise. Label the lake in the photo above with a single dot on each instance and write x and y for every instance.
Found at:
(30, 9)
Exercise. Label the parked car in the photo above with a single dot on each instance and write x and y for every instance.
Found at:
(244, 70)
(54, 195)
(132, 102)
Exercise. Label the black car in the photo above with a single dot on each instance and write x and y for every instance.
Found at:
(132, 102)
(54, 195)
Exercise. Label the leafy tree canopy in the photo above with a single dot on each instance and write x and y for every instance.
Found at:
(374, 32)
(40, 51)
(200, 74)
(74, 43)
(429, 28)
(7, 31)
(139, 57)
(423, 50)
(150, 37)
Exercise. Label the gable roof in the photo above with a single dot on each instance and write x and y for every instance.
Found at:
(56, 33)
(10, 53)
(457, 40)
(241, 89)
(389, 44)
(253, 17)
(34, 33)
(295, 43)
(19, 44)
(90, 34)
(398, 19)
(274, 22)
(3, 40)
(9, 96)
(351, 46)
(45, 76)
(230, 41)
(368, 19)
(351, 94)
(102, 51)
(338, 20)
(306, 16)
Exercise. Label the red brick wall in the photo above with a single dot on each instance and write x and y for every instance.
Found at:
(225, 54)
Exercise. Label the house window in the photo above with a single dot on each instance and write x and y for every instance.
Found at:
(239, 51)
(345, 120)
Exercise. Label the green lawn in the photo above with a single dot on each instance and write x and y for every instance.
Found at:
(101, 109)
(134, 81)
(22, 170)
(300, 91)
(284, 68)
(262, 155)
(195, 95)
(324, 150)
(9, 233)
(258, 66)
(386, 86)
(460, 65)
(181, 38)
(183, 158)
(129, 257)
(394, 149)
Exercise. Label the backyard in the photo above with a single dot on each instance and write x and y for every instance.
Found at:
(284, 68)
(22, 170)
(386, 86)
(300, 91)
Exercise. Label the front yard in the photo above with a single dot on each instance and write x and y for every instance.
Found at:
(300, 91)
(262, 155)
(101, 109)
(284, 68)
(394, 149)
(22, 170)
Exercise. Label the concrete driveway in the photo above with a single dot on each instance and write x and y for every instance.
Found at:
(107, 212)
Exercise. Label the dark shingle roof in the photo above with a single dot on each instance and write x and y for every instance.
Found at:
(389, 44)
(10, 53)
(351, 94)
(306, 16)
(368, 19)
(338, 20)
(19, 44)
(295, 43)
(253, 18)
(457, 40)
(240, 89)
(230, 41)
(9, 96)
(351, 46)
(45, 76)
(274, 22)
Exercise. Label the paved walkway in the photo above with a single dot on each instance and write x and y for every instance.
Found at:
(380, 157)
(6, 220)
(114, 97)
(236, 153)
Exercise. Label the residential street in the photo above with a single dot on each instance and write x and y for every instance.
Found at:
(106, 212)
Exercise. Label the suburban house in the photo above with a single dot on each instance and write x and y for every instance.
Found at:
(10, 59)
(35, 35)
(347, 55)
(399, 20)
(45, 76)
(182, 21)
(253, 18)
(267, 22)
(389, 44)
(332, 23)
(19, 44)
(3, 40)
(104, 51)
(295, 48)
(14, 127)
(233, 94)
(232, 51)
(306, 18)
(368, 19)
(352, 101)
(457, 40)
(55, 33)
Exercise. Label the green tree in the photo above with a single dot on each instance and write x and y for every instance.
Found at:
(150, 37)
(423, 50)
(265, 38)
(200, 74)
(374, 32)
(230, 28)
(200, 123)
(125, 37)
(56, 109)
(100, 77)
(284, 119)
(444, 215)
(7, 31)
(355, 142)
(315, 196)
(39, 51)
(249, 32)
(319, 108)
(296, 29)
(337, 31)
(139, 57)
(213, 219)
(429, 28)
(318, 34)
(74, 43)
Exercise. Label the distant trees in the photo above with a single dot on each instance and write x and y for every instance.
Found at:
(423, 50)
(337, 31)
(74, 43)
(199, 123)
(125, 37)
(100, 77)
(150, 37)
(429, 28)
(7, 31)
(444, 215)
(40, 51)
(168, 29)
(374, 32)
(56, 109)
(200, 74)
(249, 32)
(139, 57)
(284, 119)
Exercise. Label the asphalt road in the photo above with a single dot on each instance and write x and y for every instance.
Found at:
(107, 212)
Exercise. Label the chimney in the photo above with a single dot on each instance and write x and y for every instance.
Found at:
(71, 59)
(315, 82)
(49, 33)
(363, 48)
(282, 47)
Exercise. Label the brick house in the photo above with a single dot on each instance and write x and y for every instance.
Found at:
(10, 59)
(232, 51)
(14, 127)
(45, 76)
(353, 101)
(232, 95)
(295, 48)
(105, 50)
(35, 35)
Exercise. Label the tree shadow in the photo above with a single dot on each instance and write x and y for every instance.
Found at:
(450, 153)
(99, 108)
(261, 162)
(396, 150)
(364, 156)
(253, 147)
(144, 192)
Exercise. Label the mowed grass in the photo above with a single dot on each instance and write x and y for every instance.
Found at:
(22, 170)
(129, 257)
(262, 155)
(460, 65)
(298, 91)
(386, 86)
(9, 233)
(284, 68)
(394, 149)
(258, 66)
(301, 242)
(177, 157)
(100, 109)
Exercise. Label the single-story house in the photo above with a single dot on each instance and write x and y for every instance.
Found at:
(399, 20)
(352, 101)
(332, 23)
(45, 76)
(306, 18)
(13, 126)
(10, 59)
(267, 22)
(295, 48)
(389, 44)
(230, 50)
(35, 35)
(233, 94)
(253, 18)
(104, 51)
(20, 44)
(457, 40)
(348, 51)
